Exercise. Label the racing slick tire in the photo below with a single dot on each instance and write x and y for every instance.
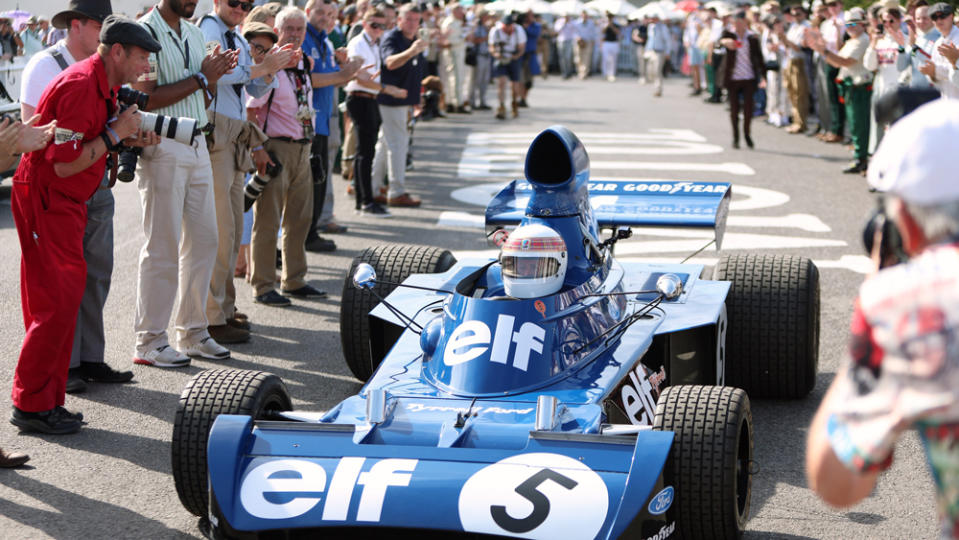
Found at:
(393, 264)
(209, 394)
(772, 341)
(710, 460)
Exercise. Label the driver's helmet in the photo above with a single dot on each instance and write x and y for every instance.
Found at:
(534, 262)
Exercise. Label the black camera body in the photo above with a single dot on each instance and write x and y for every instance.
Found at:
(891, 250)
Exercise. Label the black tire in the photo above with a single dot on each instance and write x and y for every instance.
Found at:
(710, 460)
(772, 342)
(209, 394)
(393, 264)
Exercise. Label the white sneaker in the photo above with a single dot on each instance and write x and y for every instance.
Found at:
(165, 356)
(207, 348)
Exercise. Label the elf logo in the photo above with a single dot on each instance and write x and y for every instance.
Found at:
(471, 339)
(287, 488)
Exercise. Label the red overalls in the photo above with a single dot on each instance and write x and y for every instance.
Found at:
(51, 214)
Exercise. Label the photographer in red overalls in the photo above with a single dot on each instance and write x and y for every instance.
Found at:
(50, 190)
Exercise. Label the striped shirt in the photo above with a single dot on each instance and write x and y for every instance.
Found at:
(179, 59)
(743, 68)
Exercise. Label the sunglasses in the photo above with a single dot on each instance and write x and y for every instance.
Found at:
(259, 49)
(850, 24)
(938, 16)
(377, 26)
(245, 6)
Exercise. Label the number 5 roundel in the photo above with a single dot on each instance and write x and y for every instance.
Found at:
(535, 495)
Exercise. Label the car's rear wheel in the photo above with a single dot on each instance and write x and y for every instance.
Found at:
(710, 460)
(772, 344)
(393, 264)
(209, 394)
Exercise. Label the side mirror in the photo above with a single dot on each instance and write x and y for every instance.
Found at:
(364, 277)
(670, 286)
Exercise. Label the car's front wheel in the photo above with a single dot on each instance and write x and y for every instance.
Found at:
(710, 462)
(209, 394)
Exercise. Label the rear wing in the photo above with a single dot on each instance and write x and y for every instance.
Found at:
(617, 203)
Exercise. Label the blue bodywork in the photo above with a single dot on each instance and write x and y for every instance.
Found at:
(499, 416)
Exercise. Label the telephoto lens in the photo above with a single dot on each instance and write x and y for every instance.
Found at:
(183, 130)
(252, 190)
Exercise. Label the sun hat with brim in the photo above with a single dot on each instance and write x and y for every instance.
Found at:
(97, 10)
(855, 15)
(913, 161)
(253, 29)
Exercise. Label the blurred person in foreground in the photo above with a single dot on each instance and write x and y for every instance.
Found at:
(83, 20)
(903, 370)
(50, 191)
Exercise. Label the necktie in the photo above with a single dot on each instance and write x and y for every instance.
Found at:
(231, 43)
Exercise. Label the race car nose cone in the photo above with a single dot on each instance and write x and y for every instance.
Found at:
(670, 286)
(364, 277)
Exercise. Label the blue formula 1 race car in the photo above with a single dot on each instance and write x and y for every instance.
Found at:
(552, 392)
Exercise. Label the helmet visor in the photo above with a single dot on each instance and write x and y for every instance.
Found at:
(529, 267)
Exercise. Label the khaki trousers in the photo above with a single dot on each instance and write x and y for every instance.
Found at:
(655, 60)
(288, 197)
(179, 221)
(228, 195)
(391, 149)
(798, 89)
(583, 53)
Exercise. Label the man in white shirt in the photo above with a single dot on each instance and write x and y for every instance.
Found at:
(82, 23)
(922, 38)
(454, 59)
(941, 70)
(361, 103)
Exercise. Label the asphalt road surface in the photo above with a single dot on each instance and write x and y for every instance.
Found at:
(113, 478)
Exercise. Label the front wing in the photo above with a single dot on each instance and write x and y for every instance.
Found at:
(289, 475)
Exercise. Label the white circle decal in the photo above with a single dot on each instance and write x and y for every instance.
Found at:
(535, 495)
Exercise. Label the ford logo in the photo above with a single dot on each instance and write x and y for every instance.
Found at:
(661, 501)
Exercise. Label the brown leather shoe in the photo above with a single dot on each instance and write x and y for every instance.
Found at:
(9, 460)
(405, 200)
(225, 333)
(380, 199)
(832, 138)
(236, 322)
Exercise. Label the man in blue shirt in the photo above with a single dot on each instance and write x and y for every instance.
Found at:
(404, 65)
(326, 76)
(231, 144)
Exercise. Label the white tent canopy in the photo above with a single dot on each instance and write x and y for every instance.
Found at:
(616, 7)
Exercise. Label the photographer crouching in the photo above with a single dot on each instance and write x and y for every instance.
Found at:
(50, 190)
(903, 370)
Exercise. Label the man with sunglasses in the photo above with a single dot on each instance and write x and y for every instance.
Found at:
(941, 69)
(231, 144)
(855, 85)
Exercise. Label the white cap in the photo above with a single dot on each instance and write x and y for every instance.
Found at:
(916, 160)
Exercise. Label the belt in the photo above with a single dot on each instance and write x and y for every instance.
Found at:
(291, 140)
(357, 93)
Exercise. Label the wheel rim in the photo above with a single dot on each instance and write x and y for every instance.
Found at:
(743, 461)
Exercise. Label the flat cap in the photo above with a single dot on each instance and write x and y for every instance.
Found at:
(126, 31)
(253, 29)
(940, 7)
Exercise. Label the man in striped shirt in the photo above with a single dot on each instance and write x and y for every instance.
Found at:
(175, 181)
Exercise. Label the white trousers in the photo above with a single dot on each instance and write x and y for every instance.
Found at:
(454, 75)
(391, 149)
(179, 221)
(610, 52)
(654, 68)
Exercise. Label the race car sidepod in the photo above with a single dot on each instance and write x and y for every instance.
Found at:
(273, 475)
